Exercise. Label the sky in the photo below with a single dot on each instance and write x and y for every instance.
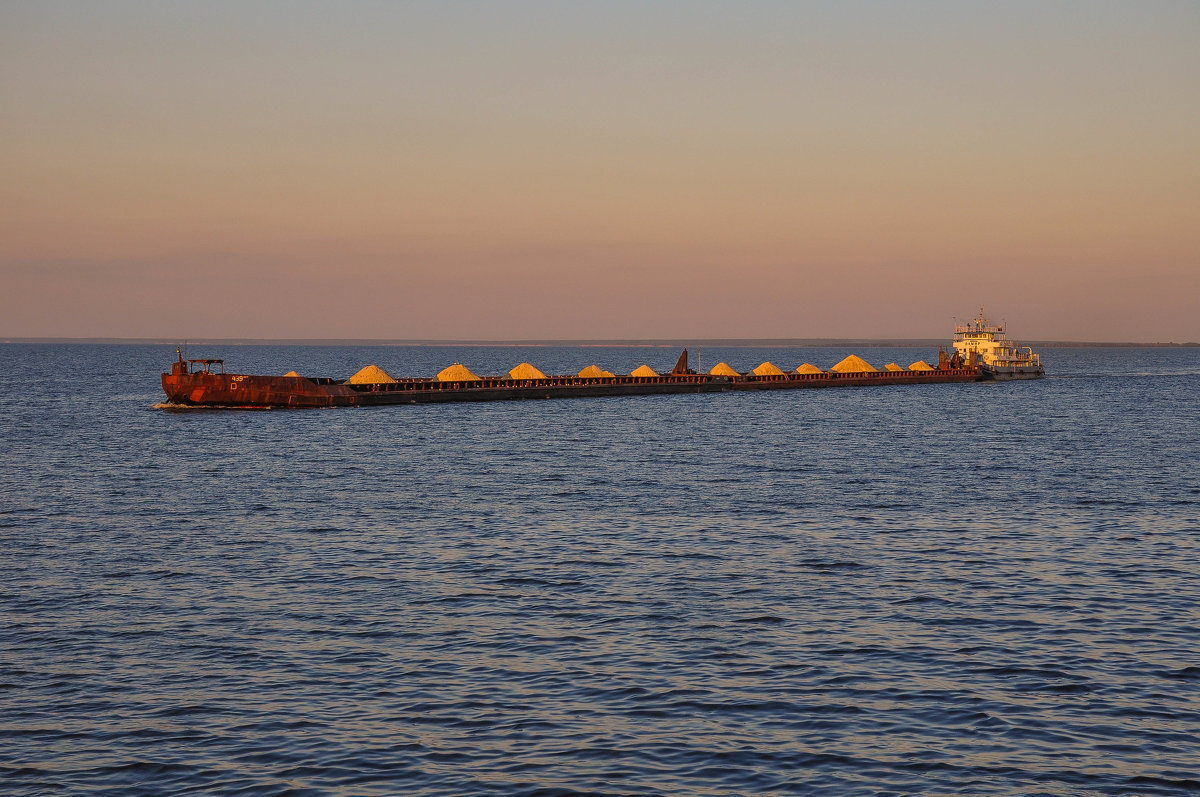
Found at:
(617, 170)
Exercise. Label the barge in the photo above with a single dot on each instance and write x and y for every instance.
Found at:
(205, 383)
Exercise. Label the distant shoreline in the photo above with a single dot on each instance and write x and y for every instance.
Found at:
(730, 343)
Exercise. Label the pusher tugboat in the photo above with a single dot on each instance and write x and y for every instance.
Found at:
(982, 342)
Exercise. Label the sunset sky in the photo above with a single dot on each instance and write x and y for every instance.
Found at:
(523, 170)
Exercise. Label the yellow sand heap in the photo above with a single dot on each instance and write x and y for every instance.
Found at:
(853, 365)
(291, 373)
(809, 368)
(643, 370)
(594, 371)
(457, 373)
(921, 365)
(892, 367)
(371, 375)
(525, 371)
(723, 369)
(768, 369)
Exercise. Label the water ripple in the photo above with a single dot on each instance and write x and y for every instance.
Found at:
(845, 592)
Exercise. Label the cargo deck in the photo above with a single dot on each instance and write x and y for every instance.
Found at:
(210, 386)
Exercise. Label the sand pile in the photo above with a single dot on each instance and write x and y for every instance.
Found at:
(457, 373)
(809, 368)
(768, 369)
(371, 375)
(853, 365)
(892, 367)
(525, 371)
(723, 369)
(593, 371)
(921, 365)
(291, 373)
(643, 370)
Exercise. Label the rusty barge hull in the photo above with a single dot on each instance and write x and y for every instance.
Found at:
(246, 391)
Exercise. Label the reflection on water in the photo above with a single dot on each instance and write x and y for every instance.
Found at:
(939, 589)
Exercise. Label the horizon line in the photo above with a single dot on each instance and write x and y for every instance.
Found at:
(574, 342)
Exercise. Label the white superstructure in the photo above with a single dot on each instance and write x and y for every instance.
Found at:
(983, 342)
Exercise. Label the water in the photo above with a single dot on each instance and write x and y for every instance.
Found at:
(950, 589)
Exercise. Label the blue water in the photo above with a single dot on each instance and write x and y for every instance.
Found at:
(942, 589)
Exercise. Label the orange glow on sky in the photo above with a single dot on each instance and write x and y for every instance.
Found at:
(618, 170)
